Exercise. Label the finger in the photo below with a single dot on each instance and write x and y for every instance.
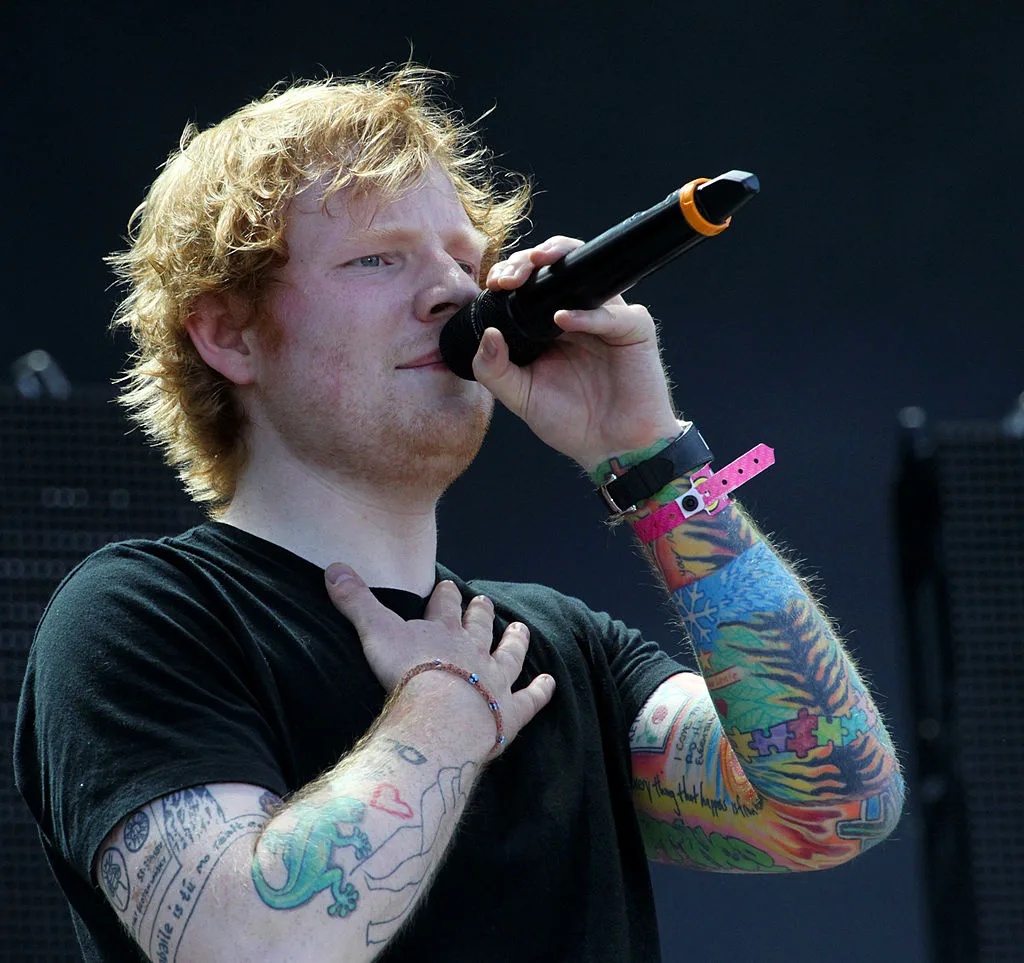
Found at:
(352, 597)
(615, 324)
(553, 249)
(529, 701)
(493, 368)
(478, 619)
(511, 650)
(445, 605)
(513, 271)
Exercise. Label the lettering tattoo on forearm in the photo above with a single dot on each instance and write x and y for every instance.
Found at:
(180, 839)
(151, 871)
(409, 754)
(695, 738)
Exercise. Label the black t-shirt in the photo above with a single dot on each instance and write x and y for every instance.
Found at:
(216, 656)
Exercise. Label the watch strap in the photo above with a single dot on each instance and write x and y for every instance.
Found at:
(623, 493)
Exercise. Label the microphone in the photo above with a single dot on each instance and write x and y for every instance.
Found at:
(585, 278)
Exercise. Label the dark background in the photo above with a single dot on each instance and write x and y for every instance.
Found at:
(879, 268)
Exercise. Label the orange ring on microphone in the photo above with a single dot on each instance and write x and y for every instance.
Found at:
(694, 218)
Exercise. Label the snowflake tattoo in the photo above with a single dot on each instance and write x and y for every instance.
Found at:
(700, 614)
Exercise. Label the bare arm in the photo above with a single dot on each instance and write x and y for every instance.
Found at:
(229, 871)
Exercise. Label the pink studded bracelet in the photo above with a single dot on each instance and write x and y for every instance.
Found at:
(472, 678)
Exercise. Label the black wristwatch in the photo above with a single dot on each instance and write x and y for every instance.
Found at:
(622, 493)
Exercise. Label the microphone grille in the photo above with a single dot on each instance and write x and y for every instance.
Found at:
(459, 341)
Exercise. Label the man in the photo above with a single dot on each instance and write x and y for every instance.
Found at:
(236, 751)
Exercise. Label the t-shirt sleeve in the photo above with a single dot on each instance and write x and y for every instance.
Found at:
(618, 656)
(135, 688)
(637, 665)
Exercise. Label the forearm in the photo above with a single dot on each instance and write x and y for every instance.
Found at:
(389, 811)
(341, 866)
(790, 699)
(796, 712)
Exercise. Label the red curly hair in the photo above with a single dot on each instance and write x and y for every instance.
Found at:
(214, 221)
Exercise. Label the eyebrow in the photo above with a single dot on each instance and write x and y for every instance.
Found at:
(471, 238)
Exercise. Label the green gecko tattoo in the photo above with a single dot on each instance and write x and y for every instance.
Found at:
(306, 850)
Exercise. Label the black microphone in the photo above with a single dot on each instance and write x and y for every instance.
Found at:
(587, 277)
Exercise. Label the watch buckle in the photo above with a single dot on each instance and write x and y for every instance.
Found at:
(613, 507)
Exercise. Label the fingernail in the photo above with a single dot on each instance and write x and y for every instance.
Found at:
(336, 572)
(487, 347)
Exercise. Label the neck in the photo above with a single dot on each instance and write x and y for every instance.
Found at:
(386, 532)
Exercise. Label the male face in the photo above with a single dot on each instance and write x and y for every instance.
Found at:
(349, 378)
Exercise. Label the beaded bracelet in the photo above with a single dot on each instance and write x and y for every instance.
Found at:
(472, 678)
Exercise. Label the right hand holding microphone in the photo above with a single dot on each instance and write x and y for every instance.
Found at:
(598, 390)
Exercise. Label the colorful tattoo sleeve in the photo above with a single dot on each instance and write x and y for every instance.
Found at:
(779, 761)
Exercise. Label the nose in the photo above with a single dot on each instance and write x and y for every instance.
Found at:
(446, 288)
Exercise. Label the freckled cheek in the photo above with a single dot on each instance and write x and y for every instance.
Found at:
(297, 316)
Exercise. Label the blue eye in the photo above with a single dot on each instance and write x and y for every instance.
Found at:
(370, 260)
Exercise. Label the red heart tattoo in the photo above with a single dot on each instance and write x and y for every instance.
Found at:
(386, 798)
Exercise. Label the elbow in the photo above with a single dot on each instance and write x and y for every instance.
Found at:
(872, 816)
(871, 820)
(823, 836)
(881, 812)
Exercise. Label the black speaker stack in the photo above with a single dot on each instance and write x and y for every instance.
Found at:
(960, 519)
(73, 477)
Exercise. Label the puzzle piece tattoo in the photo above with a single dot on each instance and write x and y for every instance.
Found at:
(766, 740)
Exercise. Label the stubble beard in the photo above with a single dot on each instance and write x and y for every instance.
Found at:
(393, 446)
(424, 451)
(410, 453)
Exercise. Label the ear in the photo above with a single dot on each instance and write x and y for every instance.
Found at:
(221, 328)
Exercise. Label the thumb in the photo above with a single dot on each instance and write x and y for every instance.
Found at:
(496, 372)
(353, 599)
